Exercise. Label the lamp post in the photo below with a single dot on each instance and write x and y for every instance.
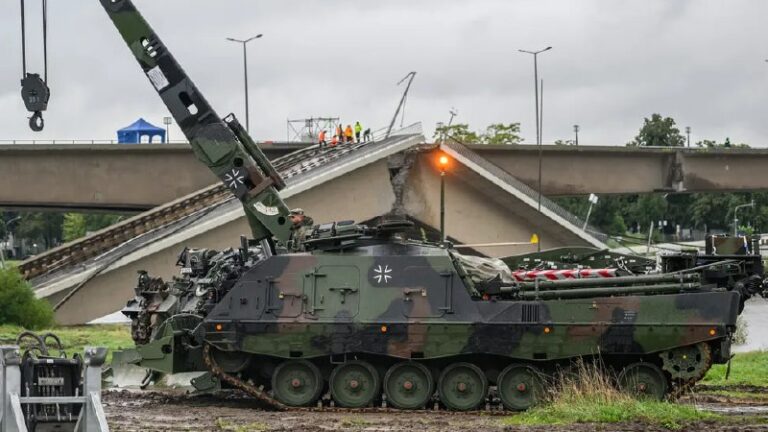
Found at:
(245, 73)
(688, 132)
(592, 201)
(167, 122)
(443, 162)
(576, 131)
(736, 219)
(453, 112)
(536, 92)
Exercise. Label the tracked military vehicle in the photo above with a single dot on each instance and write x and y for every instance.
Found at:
(357, 316)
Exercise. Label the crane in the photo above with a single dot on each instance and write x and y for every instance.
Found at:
(223, 145)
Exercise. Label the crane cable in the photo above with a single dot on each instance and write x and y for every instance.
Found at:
(34, 90)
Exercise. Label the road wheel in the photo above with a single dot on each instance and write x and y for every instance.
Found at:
(408, 385)
(462, 386)
(354, 384)
(644, 380)
(520, 387)
(688, 363)
(297, 383)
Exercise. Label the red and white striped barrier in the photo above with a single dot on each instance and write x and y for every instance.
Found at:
(529, 275)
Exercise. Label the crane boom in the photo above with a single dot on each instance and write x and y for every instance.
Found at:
(222, 145)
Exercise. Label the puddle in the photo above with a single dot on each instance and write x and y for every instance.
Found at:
(756, 315)
(731, 409)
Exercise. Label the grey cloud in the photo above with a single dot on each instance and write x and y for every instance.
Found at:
(613, 62)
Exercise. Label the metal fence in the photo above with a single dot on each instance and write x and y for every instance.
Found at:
(79, 141)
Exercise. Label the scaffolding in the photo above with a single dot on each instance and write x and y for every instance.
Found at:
(306, 130)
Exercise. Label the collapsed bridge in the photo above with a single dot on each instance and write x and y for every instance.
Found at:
(95, 275)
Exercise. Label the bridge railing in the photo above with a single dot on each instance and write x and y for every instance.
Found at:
(376, 135)
(79, 141)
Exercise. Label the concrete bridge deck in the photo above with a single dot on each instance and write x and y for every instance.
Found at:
(105, 176)
(139, 177)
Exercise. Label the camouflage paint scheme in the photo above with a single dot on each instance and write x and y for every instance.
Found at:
(223, 147)
(318, 305)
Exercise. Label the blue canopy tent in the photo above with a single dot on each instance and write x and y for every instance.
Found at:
(140, 128)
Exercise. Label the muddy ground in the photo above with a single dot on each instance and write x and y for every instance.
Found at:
(174, 411)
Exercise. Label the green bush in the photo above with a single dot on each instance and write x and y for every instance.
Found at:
(18, 304)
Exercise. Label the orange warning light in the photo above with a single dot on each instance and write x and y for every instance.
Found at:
(547, 330)
(443, 160)
(219, 327)
(384, 329)
(712, 332)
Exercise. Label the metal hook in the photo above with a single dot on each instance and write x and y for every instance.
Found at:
(36, 122)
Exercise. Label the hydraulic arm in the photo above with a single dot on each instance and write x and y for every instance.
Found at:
(221, 144)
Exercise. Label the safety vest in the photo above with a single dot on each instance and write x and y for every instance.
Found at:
(321, 137)
(358, 128)
(348, 131)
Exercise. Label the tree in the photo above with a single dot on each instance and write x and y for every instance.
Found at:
(77, 225)
(725, 144)
(500, 133)
(660, 132)
(459, 132)
(18, 304)
(44, 228)
(3, 225)
(73, 226)
(495, 134)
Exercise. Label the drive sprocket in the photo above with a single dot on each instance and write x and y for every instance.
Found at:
(688, 363)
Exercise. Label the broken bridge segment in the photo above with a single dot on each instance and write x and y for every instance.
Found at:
(557, 216)
(353, 184)
(294, 165)
(99, 285)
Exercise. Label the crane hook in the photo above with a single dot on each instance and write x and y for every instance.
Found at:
(34, 88)
(36, 122)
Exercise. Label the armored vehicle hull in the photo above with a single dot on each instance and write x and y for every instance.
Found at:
(402, 323)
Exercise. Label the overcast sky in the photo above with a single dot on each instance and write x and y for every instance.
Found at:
(613, 62)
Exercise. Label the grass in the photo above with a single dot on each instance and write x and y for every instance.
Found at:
(74, 339)
(12, 263)
(227, 425)
(590, 410)
(354, 421)
(589, 396)
(746, 369)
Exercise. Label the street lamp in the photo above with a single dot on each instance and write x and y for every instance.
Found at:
(453, 112)
(167, 122)
(688, 132)
(245, 72)
(576, 131)
(736, 219)
(443, 163)
(592, 201)
(536, 90)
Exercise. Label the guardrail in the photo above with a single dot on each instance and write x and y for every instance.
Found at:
(80, 141)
